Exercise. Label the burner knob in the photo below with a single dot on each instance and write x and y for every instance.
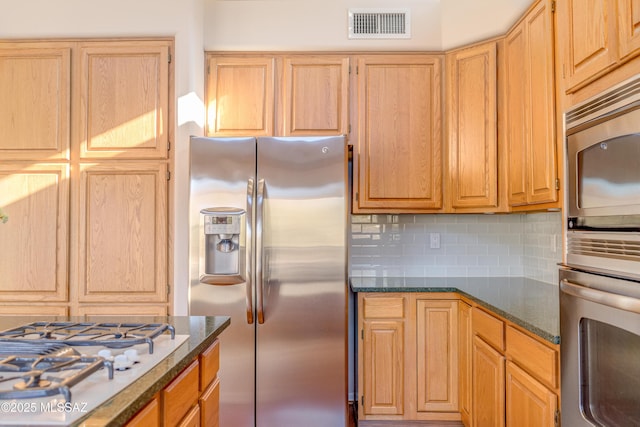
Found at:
(121, 362)
(106, 354)
(132, 355)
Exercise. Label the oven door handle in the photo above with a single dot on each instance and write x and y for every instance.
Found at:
(620, 302)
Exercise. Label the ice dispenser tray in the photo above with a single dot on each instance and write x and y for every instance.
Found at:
(223, 237)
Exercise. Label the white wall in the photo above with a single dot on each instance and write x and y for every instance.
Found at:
(180, 19)
(322, 24)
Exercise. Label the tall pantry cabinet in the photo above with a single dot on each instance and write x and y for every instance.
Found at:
(84, 161)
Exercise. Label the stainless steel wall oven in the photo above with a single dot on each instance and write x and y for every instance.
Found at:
(600, 283)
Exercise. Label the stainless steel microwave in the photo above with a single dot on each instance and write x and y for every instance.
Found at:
(603, 160)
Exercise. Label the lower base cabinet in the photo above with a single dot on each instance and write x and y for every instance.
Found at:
(427, 356)
(408, 356)
(191, 400)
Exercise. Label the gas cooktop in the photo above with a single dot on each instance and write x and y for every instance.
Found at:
(53, 373)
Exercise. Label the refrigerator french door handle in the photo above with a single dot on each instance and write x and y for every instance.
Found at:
(259, 230)
(249, 252)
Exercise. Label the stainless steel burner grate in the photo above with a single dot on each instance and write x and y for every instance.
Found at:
(111, 335)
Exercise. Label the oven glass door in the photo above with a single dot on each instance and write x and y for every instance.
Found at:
(610, 374)
(600, 354)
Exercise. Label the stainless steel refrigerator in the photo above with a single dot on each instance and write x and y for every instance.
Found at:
(268, 220)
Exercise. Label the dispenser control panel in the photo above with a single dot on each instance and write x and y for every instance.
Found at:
(214, 224)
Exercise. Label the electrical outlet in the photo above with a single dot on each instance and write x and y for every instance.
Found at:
(434, 240)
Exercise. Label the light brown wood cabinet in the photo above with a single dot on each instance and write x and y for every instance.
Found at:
(465, 362)
(35, 88)
(85, 159)
(408, 356)
(596, 36)
(398, 149)
(488, 370)
(191, 399)
(514, 375)
(472, 129)
(382, 355)
(277, 95)
(529, 111)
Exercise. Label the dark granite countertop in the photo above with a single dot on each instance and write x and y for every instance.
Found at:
(528, 303)
(202, 331)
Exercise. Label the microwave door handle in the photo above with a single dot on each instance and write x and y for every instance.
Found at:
(248, 250)
(259, 249)
(620, 302)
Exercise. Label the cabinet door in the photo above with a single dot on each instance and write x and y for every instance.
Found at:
(35, 92)
(122, 310)
(529, 403)
(437, 355)
(488, 385)
(34, 243)
(383, 367)
(122, 232)
(464, 374)
(472, 117)
(399, 133)
(209, 404)
(628, 27)
(516, 113)
(587, 30)
(240, 96)
(315, 96)
(124, 100)
(529, 112)
(541, 148)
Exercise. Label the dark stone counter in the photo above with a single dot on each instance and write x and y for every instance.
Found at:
(528, 303)
(116, 411)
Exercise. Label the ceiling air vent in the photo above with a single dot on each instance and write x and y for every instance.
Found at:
(379, 24)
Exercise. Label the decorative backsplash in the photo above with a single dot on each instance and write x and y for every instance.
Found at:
(526, 245)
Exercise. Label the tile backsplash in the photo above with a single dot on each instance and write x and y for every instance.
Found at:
(526, 245)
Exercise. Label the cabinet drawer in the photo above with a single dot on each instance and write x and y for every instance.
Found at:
(536, 358)
(147, 416)
(192, 419)
(210, 405)
(209, 365)
(383, 307)
(488, 327)
(181, 395)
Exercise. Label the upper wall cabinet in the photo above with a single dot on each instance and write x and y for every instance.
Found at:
(596, 36)
(629, 27)
(124, 99)
(399, 134)
(292, 95)
(240, 96)
(35, 89)
(315, 97)
(472, 127)
(529, 109)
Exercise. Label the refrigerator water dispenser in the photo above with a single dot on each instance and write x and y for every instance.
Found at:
(223, 245)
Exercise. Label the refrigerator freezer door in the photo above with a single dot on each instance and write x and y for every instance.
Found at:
(301, 365)
(222, 175)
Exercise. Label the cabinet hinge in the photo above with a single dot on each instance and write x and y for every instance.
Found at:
(208, 69)
(557, 183)
(361, 334)
(556, 418)
(169, 58)
(362, 400)
(349, 128)
(357, 195)
(553, 6)
(168, 145)
(168, 289)
(357, 70)
(168, 175)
